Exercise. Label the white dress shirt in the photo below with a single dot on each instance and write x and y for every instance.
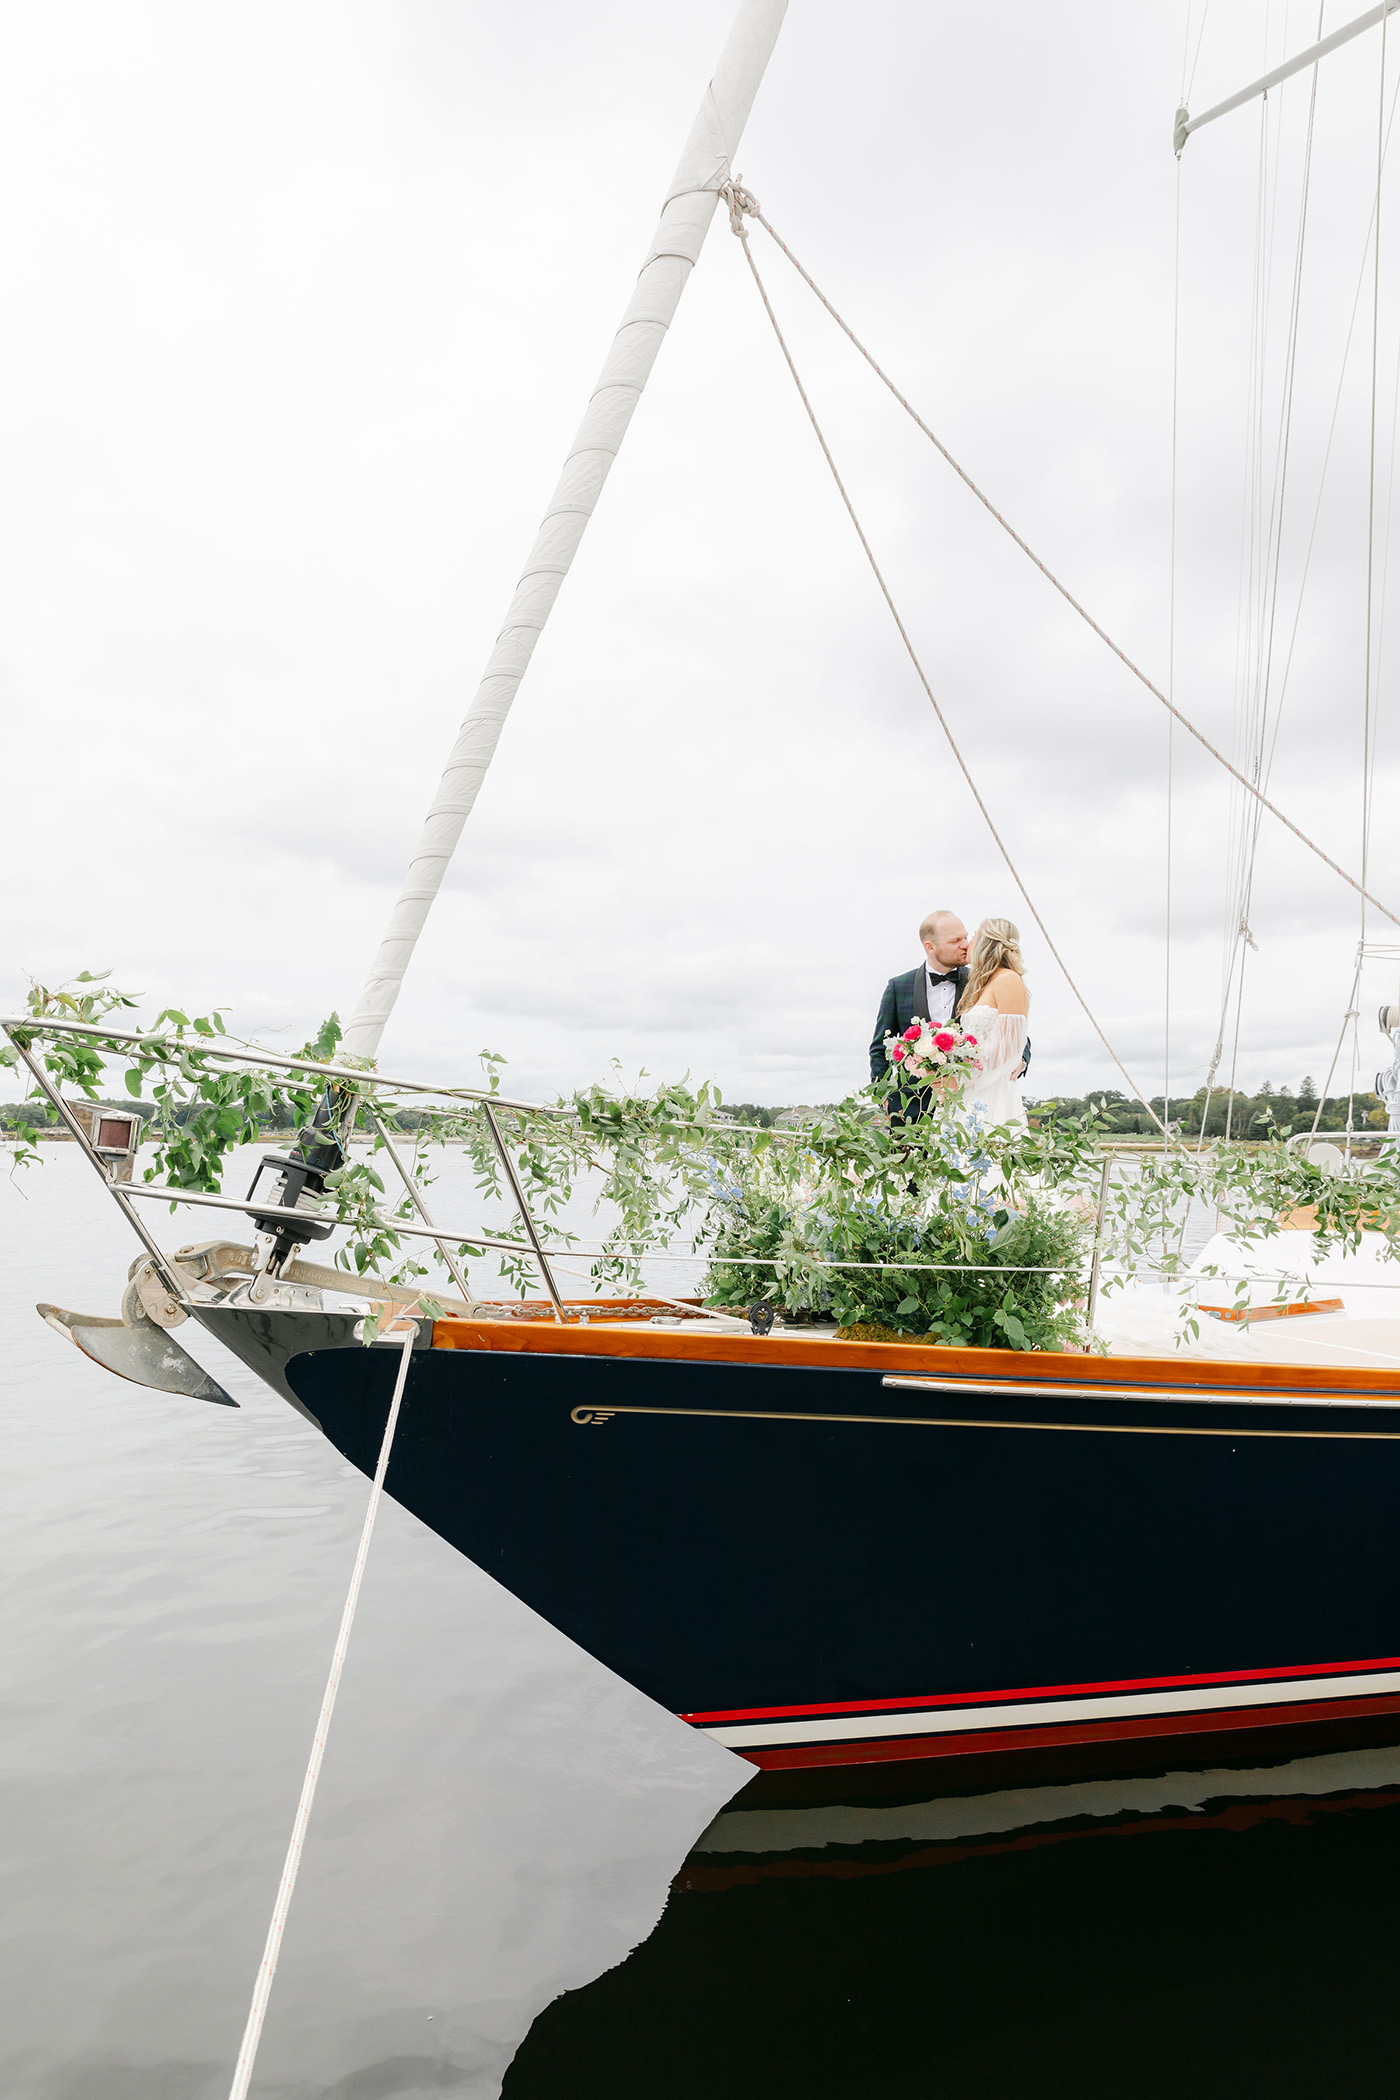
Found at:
(942, 998)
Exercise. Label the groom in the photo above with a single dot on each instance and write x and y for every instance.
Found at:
(928, 992)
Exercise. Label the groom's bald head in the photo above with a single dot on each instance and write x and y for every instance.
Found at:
(945, 939)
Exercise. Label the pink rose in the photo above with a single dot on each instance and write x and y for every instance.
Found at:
(943, 1040)
(911, 1034)
(971, 1041)
(896, 1054)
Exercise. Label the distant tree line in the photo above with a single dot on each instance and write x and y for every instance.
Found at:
(1271, 1112)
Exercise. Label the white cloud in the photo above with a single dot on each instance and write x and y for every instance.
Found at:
(303, 308)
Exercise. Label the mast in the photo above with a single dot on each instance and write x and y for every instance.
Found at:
(685, 220)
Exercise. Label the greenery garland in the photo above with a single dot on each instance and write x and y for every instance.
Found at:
(992, 1228)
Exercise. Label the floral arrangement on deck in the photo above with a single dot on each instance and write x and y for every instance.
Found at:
(934, 1237)
(940, 1054)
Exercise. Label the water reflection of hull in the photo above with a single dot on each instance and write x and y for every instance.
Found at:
(1218, 1932)
(1028, 1563)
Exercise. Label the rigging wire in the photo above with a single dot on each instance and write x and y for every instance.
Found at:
(1171, 586)
(1384, 574)
(1351, 1016)
(1253, 699)
(1367, 753)
(1238, 935)
(1368, 727)
(1255, 710)
(1286, 405)
(1234, 1052)
(1290, 375)
(1347, 1018)
(743, 203)
(1385, 557)
(1285, 427)
(1327, 454)
(1171, 635)
(1187, 85)
(738, 201)
(1351, 1013)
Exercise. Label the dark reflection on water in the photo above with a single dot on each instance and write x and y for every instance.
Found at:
(1238, 1944)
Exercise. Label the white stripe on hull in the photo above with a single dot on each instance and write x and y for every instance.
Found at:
(1030, 1713)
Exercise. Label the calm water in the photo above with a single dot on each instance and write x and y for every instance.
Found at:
(500, 1820)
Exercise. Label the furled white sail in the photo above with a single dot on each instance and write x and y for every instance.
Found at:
(685, 220)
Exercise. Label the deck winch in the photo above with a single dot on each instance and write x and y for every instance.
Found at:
(294, 1181)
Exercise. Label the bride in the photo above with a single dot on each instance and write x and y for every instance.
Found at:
(993, 1007)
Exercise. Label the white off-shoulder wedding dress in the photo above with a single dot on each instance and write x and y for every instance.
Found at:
(1001, 1041)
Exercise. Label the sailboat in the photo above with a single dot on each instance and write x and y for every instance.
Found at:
(864, 1566)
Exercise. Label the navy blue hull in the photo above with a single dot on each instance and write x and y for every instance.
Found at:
(726, 1563)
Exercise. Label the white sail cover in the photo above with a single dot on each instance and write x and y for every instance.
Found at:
(685, 219)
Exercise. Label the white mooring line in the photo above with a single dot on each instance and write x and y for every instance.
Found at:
(262, 1989)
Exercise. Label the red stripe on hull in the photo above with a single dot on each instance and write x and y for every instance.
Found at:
(1041, 1691)
(1059, 1735)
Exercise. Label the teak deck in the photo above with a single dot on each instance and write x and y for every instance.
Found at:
(692, 1343)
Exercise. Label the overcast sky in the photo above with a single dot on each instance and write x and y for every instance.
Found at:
(302, 306)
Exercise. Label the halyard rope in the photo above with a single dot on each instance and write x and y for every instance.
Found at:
(741, 204)
(262, 1989)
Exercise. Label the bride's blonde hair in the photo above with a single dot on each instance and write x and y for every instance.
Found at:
(996, 945)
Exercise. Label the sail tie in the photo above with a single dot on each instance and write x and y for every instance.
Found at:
(741, 204)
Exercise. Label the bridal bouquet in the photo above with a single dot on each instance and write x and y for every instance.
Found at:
(939, 1054)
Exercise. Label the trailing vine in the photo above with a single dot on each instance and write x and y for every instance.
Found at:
(993, 1227)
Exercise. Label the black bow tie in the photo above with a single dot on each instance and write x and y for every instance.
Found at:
(948, 977)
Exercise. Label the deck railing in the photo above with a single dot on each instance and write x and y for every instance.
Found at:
(375, 1090)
